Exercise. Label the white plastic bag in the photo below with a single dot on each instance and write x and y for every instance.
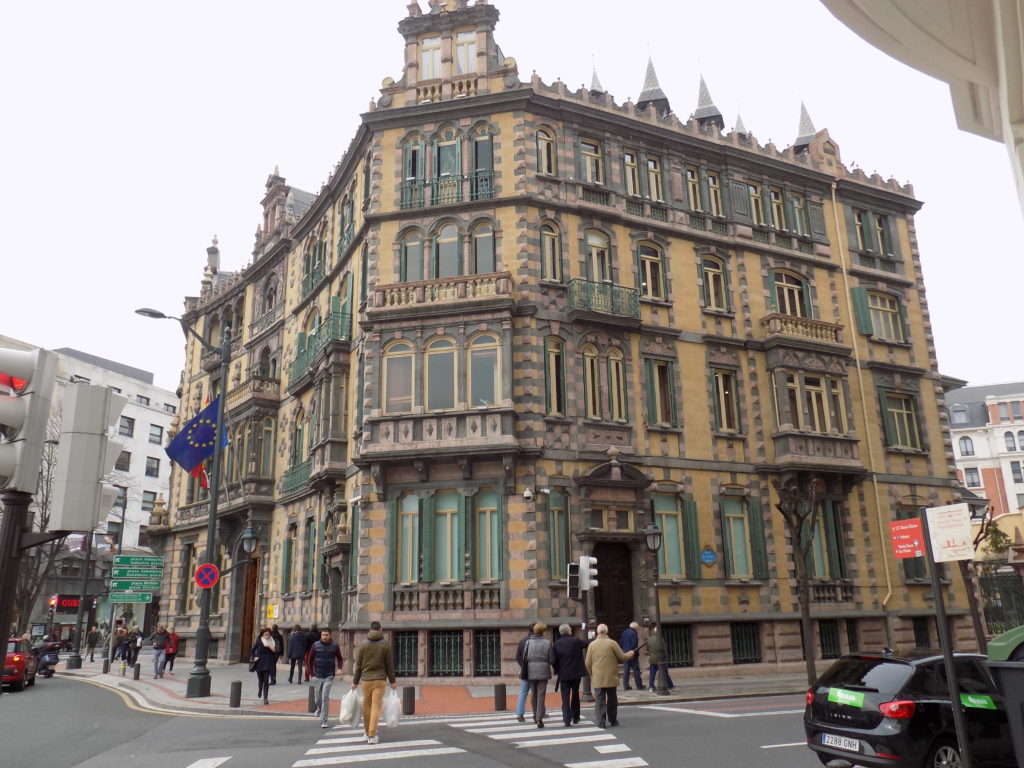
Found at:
(349, 707)
(391, 709)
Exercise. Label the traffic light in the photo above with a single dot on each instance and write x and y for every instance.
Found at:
(24, 416)
(85, 456)
(574, 580)
(588, 572)
(53, 602)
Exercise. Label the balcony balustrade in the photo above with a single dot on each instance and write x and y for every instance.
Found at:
(476, 185)
(793, 447)
(266, 320)
(256, 387)
(455, 597)
(451, 433)
(606, 298)
(831, 592)
(453, 292)
(296, 477)
(802, 327)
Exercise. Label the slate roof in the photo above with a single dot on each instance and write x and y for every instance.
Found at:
(973, 398)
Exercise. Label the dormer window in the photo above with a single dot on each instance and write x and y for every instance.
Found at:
(465, 52)
(430, 51)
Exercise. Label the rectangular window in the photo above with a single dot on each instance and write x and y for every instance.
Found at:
(651, 283)
(591, 384)
(1004, 412)
(545, 153)
(489, 537)
(445, 658)
(632, 173)
(828, 635)
(287, 555)
(922, 632)
(726, 401)
(309, 551)
(886, 318)
(188, 559)
(715, 293)
(858, 218)
(715, 195)
(448, 552)
(126, 428)
(148, 501)
(746, 642)
(430, 62)
(799, 209)
(660, 392)
(398, 379)
(617, 387)
(817, 410)
(555, 377)
(654, 178)
(142, 400)
(736, 533)
(826, 558)
(1016, 472)
(593, 167)
(778, 208)
(901, 425)
(408, 539)
(754, 197)
(406, 652)
(973, 480)
(558, 521)
(882, 234)
(487, 653)
(550, 253)
(170, 408)
(156, 434)
(669, 519)
(124, 461)
(465, 53)
(852, 636)
(693, 187)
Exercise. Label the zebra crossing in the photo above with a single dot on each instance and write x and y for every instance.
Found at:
(351, 750)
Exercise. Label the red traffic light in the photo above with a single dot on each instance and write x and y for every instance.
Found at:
(53, 601)
(12, 381)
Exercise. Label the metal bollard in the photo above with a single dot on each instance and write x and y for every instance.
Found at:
(409, 700)
(136, 671)
(235, 699)
(500, 697)
(311, 702)
(106, 666)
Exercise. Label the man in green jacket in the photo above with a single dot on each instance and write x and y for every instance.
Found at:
(374, 664)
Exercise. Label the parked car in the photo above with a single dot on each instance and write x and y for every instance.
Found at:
(894, 710)
(1008, 646)
(19, 664)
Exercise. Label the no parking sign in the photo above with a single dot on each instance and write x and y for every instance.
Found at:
(207, 575)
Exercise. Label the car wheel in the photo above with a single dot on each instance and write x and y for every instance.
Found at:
(31, 680)
(1018, 653)
(824, 759)
(18, 685)
(945, 754)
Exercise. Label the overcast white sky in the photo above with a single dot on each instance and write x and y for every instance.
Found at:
(136, 131)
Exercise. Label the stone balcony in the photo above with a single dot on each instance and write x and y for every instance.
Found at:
(460, 598)
(458, 433)
(805, 328)
(447, 295)
(256, 390)
(797, 449)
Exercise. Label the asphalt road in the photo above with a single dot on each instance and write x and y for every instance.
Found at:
(67, 723)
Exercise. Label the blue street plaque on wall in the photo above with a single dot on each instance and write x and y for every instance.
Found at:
(708, 556)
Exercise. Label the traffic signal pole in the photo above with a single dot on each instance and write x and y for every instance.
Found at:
(75, 659)
(15, 515)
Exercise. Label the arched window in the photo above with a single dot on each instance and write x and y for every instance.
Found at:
(616, 384)
(440, 365)
(591, 383)
(298, 443)
(447, 257)
(265, 447)
(554, 375)
(263, 366)
(484, 260)
(412, 258)
(270, 297)
(1011, 444)
(484, 371)
(716, 294)
(550, 253)
(398, 373)
(546, 162)
(599, 266)
(651, 273)
(966, 446)
(790, 295)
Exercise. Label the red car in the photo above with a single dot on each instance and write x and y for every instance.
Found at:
(19, 665)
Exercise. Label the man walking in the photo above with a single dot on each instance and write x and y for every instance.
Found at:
(275, 633)
(540, 657)
(311, 637)
(322, 663)
(656, 658)
(630, 641)
(603, 657)
(159, 642)
(92, 639)
(374, 664)
(570, 668)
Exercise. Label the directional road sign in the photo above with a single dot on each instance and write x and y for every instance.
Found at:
(136, 573)
(131, 597)
(139, 561)
(207, 575)
(130, 585)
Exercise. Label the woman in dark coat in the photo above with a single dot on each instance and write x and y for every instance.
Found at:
(296, 652)
(264, 654)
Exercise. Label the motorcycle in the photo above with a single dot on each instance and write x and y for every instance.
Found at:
(49, 657)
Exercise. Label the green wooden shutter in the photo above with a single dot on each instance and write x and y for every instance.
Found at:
(641, 171)
(652, 415)
(861, 310)
(704, 191)
(787, 204)
(345, 308)
(758, 544)
(286, 565)
(773, 295)
(713, 391)
(892, 234)
(766, 204)
(392, 543)
(300, 343)
(672, 399)
(806, 293)
(691, 539)
(903, 319)
(816, 220)
(887, 421)
(427, 538)
(459, 545)
(459, 255)
(484, 156)
(458, 156)
(726, 290)
(851, 228)
(740, 202)
(870, 236)
(353, 550)
(726, 540)
(833, 533)
(581, 173)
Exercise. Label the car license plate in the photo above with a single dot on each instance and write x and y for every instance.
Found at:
(840, 742)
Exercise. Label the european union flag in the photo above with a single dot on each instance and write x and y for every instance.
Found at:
(195, 442)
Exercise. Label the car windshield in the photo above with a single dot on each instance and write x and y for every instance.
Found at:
(867, 674)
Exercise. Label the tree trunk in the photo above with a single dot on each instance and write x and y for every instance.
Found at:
(971, 586)
(803, 591)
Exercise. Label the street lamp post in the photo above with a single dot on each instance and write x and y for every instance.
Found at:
(199, 679)
(652, 537)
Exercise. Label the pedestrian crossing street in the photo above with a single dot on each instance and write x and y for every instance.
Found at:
(343, 745)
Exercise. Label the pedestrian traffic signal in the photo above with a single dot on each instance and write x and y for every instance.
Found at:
(85, 456)
(24, 416)
(588, 572)
(574, 580)
(53, 602)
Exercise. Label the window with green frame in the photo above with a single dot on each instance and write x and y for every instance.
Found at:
(558, 526)
(488, 535)
(353, 556)
(879, 315)
(411, 265)
(679, 555)
(404, 538)
(446, 535)
(661, 397)
(743, 536)
(554, 375)
(309, 556)
(287, 555)
(826, 558)
(899, 417)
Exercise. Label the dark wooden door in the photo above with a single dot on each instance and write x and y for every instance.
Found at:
(613, 598)
(248, 633)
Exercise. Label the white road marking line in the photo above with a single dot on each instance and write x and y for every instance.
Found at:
(539, 733)
(500, 728)
(791, 744)
(490, 721)
(373, 747)
(557, 742)
(727, 715)
(209, 762)
(607, 749)
(622, 762)
(345, 740)
(376, 756)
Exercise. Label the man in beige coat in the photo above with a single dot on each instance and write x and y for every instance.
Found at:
(603, 657)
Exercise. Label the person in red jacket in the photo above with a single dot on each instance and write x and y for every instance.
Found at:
(171, 650)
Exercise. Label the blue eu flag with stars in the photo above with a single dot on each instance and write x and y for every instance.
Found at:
(195, 442)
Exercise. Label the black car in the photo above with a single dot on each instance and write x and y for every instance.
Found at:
(894, 710)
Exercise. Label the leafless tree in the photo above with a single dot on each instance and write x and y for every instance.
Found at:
(995, 542)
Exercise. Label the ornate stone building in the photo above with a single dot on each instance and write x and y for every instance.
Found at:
(519, 324)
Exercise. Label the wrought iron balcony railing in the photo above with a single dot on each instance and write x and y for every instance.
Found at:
(312, 278)
(337, 326)
(296, 477)
(607, 298)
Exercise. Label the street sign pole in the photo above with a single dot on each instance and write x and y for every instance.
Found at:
(946, 643)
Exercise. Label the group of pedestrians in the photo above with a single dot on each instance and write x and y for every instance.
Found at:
(165, 642)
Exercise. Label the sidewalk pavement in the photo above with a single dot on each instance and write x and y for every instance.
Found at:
(167, 694)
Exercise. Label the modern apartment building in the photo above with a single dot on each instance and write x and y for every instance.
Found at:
(519, 324)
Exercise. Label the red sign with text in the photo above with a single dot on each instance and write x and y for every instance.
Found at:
(907, 538)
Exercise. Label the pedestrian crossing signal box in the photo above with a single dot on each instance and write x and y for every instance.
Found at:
(573, 578)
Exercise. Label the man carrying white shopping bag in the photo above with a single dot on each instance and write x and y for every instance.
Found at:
(374, 665)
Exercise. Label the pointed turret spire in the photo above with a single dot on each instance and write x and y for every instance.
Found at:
(706, 112)
(595, 83)
(740, 127)
(806, 132)
(652, 93)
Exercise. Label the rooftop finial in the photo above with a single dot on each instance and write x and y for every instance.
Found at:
(740, 127)
(806, 132)
(595, 83)
(652, 93)
(706, 111)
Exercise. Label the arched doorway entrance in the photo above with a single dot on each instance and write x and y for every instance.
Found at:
(613, 597)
